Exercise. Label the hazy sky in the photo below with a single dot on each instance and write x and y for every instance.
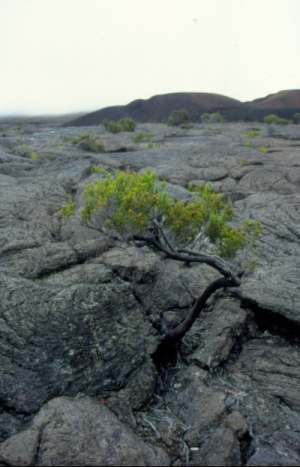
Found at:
(62, 56)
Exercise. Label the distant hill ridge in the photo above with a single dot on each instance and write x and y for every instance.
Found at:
(158, 108)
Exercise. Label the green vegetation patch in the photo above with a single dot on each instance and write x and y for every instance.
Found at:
(178, 117)
(143, 137)
(275, 119)
(124, 124)
(263, 150)
(253, 134)
(95, 169)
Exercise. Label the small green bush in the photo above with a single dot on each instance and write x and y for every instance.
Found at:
(92, 143)
(205, 117)
(248, 144)
(79, 138)
(150, 145)
(21, 148)
(142, 136)
(242, 161)
(124, 124)
(252, 134)
(296, 117)
(240, 121)
(127, 124)
(34, 156)
(3, 135)
(216, 118)
(178, 117)
(95, 169)
(275, 119)
(263, 150)
(66, 139)
(20, 126)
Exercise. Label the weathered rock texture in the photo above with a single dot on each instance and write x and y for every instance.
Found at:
(79, 315)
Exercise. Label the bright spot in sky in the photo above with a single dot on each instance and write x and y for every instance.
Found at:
(63, 56)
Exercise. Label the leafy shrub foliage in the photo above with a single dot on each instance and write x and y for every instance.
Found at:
(92, 144)
(275, 119)
(248, 144)
(296, 117)
(212, 118)
(136, 208)
(142, 137)
(178, 117)
(124, 124)
(263, 150)
(95, 169)
(252, 134)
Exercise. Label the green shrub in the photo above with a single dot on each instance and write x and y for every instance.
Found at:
(242, 161)
(158, 145)
(79, 138)
(296, 117)
(21, 148)
(248, 144)
(263, 150)
(127, 124)
(240, 121)
(137, 209)
(95, 169)
(150, 145)
(275, 119)
(3, 135)
(34, 156)
(92, 144)
(142, 136)
(124, 124)
(178, 117)
(20, 126)
(216, 118)
(252, 134)
(66, 139)
(205, 117)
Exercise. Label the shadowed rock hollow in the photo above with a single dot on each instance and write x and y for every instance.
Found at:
(83, 380)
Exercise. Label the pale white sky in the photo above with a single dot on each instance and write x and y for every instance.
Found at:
(62, 56)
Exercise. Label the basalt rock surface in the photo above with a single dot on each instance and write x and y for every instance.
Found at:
(83, 377)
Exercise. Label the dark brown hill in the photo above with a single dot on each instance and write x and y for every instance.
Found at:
(280, 100)
(158, 108)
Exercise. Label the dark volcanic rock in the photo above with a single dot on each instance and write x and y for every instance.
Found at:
(79, 315)
(79, 432)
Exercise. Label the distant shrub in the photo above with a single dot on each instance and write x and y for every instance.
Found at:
(79, 138)
(34, 156)
(150, 145)
(127, 124)
(296, 117)
(158, 145)
(248, 144)
(96, 169)
(216, 118)
(3, 134)
(275, 119)
(252, 134)
(205, 117)
(142, 136)
(242, 161)
(178, 117)
(112, 126)
(20, 126)
(124, 124)
(212, 118)
(240, 121)
(66, 139)
(21, 148)
(263, 150)
(91, 143)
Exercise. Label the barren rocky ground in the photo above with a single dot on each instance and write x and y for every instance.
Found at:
(83, 379)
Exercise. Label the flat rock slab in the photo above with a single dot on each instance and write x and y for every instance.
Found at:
(79, 432)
